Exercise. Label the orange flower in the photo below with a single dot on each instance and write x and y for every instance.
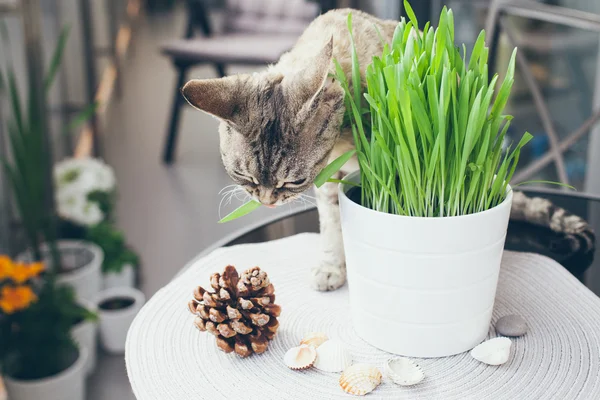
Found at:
(16, 298)
(6, 267)
(23, 272)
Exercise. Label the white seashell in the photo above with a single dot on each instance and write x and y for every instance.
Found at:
(493, 352)
(360, 379)
(301, 357)
(332, 356)
(404, 371)
(314, 339)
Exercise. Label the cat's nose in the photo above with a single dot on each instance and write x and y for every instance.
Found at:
(266, 197)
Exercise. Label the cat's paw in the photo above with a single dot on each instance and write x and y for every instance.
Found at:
(327, 277)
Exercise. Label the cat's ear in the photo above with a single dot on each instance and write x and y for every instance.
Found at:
(221, 97)
(310, 81)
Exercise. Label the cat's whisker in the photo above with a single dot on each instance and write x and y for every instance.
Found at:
(228, 187)
(308, 199)
(230, 197)
(244, 195)
(227, 194)
(303, 200)
(221, 204)
(300, 199)
(236, 193)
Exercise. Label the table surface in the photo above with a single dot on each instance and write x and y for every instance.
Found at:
(521, 236)
(168, 359)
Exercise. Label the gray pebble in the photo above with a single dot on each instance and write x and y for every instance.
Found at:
(511, 325)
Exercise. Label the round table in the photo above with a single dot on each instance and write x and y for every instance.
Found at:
(521, 236)
(168, 359)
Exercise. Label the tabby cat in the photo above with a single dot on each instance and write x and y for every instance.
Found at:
(280, 127)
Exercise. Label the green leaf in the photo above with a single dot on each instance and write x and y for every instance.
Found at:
(332, 168)
(242, 210)
(345, 182)
(56, 58)
(411, 14)
(82, 117)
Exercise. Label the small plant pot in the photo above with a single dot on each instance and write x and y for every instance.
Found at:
(123, 278)
(85, 335)
(81, 266)
(68, 384)
(117, 307)
(422, 287)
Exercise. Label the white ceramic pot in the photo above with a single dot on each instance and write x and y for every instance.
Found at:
(85, 335)
(68, 384)
(124, 278)
(114, 324)
(81, 263)
(422, 287)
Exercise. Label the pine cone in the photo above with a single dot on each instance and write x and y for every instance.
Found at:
(240, 311)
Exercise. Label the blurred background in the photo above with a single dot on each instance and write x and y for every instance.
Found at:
(125, 60)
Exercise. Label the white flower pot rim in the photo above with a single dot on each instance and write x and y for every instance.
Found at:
(88, 305)
(70, 370)
(97, 256)
(355, 178)
(137, 296)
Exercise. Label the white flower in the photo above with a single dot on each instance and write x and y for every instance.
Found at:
(91, 214)
(75, 207)
(105, 177)
(75, 179)
(85, 175)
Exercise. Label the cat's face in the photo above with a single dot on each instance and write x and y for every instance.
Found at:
(276, 132)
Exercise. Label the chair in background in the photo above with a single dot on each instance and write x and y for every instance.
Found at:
(557, 43)
(256, 32)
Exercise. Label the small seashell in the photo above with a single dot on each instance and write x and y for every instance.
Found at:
(493, 352)
(404, 371)
(360, 379)
(511, 325)
(332, 356)
(314, 339)
(301, 357)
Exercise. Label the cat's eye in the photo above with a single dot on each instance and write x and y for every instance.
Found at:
(249, 179)
(296, 183)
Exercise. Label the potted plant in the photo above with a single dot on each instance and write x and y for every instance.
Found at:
(117, 307)
(120, 262)
(38, 357)
(85, 335)
(425, 218)
(85, 194)
(75, 263)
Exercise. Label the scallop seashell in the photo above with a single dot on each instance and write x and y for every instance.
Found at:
(332, 356)
(301, 357)
(314, 339)
(404, 371)
(360, 379)
(493, 352)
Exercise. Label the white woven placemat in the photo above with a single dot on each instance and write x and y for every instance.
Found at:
(168, 358)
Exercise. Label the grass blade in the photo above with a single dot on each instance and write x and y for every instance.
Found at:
(242, 210)
(332, 168)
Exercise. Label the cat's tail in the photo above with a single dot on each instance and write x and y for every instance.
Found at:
(578, 234)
